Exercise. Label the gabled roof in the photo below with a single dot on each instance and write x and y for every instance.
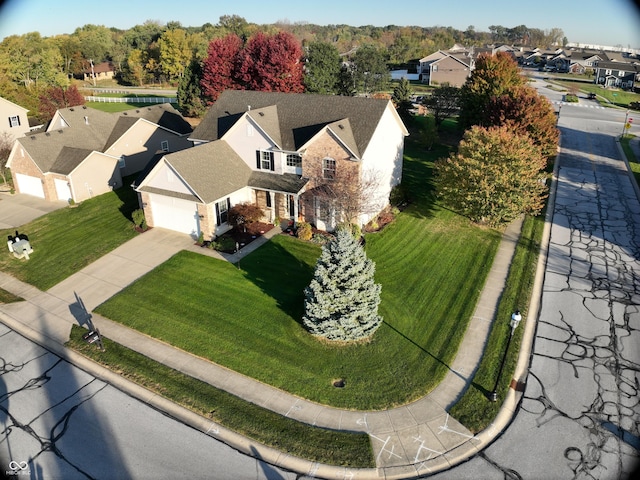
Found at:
(267, 120)
(14, 105)
(212, 170)
(68, 159)
(299, 116)
(93, 130)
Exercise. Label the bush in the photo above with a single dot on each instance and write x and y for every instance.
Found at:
(224, 244)
(304, 231)
(634, 105)
(244, 213)
(398, 196)
(139, 219)
(354, 229)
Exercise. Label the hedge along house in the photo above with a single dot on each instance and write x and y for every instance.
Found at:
(85, 152)
(279, 151)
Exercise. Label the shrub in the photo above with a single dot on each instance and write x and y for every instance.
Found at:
(244, 213)
(304, 231)
(224, 244)
(354, 229)
(398, 196)
(139, 219)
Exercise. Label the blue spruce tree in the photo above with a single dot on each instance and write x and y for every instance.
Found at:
(341, 302)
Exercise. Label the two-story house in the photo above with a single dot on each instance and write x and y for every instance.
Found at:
(275, 150)
(617, 74)
(14, 123)
(86, 152)
(452, 67)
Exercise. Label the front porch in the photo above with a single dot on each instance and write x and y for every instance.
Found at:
(278, 195)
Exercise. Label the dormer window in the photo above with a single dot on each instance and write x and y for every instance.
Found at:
(264, 160)
(294, 160)
(328, 168)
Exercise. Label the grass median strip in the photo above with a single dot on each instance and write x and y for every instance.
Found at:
(296, 438)
(474, 410)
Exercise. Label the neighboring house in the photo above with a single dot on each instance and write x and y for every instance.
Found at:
(85, 152)
(101, 71)
(452, 67)
(13, 119)
(276, 150)
(617, 74)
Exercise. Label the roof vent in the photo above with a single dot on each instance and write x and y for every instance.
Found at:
(261, 114)
(71, 109)
(340, 126)
(248, 108)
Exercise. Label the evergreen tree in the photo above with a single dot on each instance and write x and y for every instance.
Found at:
(341, 302)
(402, 99)
(190, 102)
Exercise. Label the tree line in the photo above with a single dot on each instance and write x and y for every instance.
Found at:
(153, 53)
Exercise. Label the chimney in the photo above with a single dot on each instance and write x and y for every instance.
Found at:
(248, 108)
(86, 120)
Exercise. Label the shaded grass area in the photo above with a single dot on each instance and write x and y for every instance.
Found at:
(295, 438)
(67, 240)
(431, 263)
(118, 107)
(474, 410)
(8, 297)
(631, 157)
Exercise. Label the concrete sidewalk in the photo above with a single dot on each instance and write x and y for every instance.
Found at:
(408, 441)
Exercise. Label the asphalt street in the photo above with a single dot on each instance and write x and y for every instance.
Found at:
(578, 418)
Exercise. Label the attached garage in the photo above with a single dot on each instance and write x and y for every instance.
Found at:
(63, 191)
(29, 185)
(175, 214)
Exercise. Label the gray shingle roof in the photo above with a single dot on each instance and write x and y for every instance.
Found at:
(286, 183)
(68, 159)
(213, 170)
(299, 115)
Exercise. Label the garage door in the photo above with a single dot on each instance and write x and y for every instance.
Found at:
(30, 185)
(175, 214)
(62, 189)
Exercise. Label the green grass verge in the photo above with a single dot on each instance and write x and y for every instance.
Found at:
(117, 107)
(474, 410)
(631, 157)
(295, 438)
(68, 239)
(431, 263)
(8, 297)
(620, 98)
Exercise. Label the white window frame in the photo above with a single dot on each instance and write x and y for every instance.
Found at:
(222, 211)
(294, 160)
(266, 160)
(164, 145)
(329, 167)
(14, 121)
(122, 161)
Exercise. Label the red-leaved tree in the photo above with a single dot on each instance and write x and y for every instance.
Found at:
(220, 66)
(272, 63)
(268, 63)
(55, 98)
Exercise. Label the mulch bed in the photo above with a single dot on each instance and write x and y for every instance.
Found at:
(253, 231)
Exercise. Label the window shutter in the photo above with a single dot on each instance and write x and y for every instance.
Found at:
(258, 159)
(10, 123)
(271, 162)
(228, 204)
(218, 215)
(18, 117)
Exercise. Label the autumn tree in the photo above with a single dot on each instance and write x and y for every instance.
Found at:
(341, 302)
(271, 63)
(524, 111)
(220, 66)
(175, 52)
(55, 98)
(493, 76)
(322, 68)
(443, 103)
(494, 177)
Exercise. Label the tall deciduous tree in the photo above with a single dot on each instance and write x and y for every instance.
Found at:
(175, 52)
(219, 68)
(272, 63)
(322, 68)
(370, 69)
(524, 111)
(341, 302)
(444, 102)
(494, 75)
(56, 98)
(495, 176)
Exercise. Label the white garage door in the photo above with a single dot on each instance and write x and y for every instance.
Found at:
(30, 185)
(175, 214)
(62, 189)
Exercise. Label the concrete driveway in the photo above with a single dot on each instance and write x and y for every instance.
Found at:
(18, 209)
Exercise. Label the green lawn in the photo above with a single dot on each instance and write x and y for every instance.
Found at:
(117, 107)
(295, 438)
(431, 263)
(67, 240)
(7, 297)
(631, 157)
(474, 410)
(617, 97)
